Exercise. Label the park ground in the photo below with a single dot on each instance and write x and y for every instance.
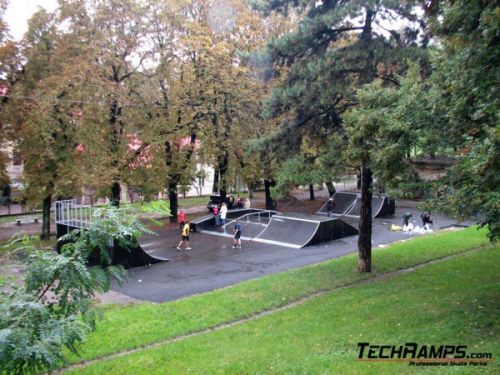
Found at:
(440, 289)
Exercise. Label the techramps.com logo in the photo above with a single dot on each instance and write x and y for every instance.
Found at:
(422, 355)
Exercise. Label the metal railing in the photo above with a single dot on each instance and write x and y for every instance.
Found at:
(258, 218)
(70, 213)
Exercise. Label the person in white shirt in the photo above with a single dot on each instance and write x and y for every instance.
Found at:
(223, 214)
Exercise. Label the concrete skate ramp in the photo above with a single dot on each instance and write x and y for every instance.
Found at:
(299, 230)
(343, 202)
(136, 254)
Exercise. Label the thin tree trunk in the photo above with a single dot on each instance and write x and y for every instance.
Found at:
(45, 234)
(270, 202)
(365, 220)
(172, 197)
(215, 187)
(311, 192)
(115, 194)
(223, 165)
(331, 188)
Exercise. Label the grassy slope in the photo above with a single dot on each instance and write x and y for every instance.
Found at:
(130, 327)
(453, 302)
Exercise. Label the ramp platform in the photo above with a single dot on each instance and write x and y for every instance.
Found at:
(349, 204)
(298, 230)
(71, 216)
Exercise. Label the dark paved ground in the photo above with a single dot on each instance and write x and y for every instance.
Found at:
(212, 263)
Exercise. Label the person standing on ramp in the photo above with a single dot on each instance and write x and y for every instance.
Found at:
(330, 205)
(237, 235)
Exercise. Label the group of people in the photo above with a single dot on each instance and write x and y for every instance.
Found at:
(220, 219)
(239, 202)
(220, 212)
(427, 221)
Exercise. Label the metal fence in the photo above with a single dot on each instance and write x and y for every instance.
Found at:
(70, 213)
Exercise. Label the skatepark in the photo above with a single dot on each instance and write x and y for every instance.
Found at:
(213, 263)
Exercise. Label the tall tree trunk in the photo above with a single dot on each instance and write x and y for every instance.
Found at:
(215, 188)
(223, 165)
(331, 188)
(365, 220)
(270, 202)
(172, 197)
(311, 192)
(45, 234)
(116, 191)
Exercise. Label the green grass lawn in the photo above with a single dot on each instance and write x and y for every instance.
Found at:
(455, 302)
(126, 327)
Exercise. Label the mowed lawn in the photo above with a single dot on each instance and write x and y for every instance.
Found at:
(128, 327)
(453, 302)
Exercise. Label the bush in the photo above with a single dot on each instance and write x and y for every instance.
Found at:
(53, 309)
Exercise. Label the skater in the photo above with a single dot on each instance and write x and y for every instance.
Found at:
(247, 203)
(406, 218)
(239, 202)
(181, 219)
(185, 238)
(230, 201)
(215, 211)
(330, 205)
(237, 235)
(223, 214)
(426, 220)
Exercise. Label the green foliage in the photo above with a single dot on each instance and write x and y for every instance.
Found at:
(53, 309)
(465, 89)
(158, 208)
(472, 187)
(324, 61)
(296, 171)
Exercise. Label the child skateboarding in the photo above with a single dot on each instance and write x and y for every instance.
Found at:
(185, 238)
(237, 235)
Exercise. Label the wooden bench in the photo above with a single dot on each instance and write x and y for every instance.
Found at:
(27, 220)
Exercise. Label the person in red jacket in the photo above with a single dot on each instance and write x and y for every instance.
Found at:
(215, 211)
(181, 219)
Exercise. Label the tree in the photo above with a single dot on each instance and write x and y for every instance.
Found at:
(42, 116)
(9, 69)
(109, 89)
(53, 310)
(465, 85)
(338, 47)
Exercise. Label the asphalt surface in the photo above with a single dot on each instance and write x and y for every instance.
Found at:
(213, 263)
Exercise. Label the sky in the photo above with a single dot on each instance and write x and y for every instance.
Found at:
(19, 11)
